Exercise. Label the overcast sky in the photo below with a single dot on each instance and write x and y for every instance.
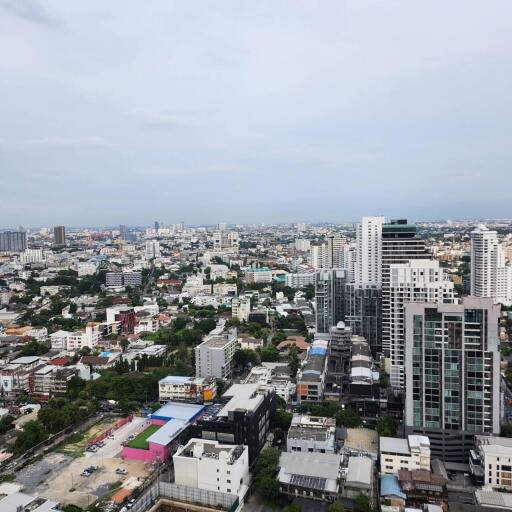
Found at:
(253, 111)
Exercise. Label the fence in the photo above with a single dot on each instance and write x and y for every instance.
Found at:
(118, 425)
(185, 494)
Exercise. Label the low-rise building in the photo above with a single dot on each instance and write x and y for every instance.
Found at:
(359, 479)
(242, 417)
(311, 376)
(491, 462)
(281, 385)
(411, 454)
(213, 466)
(309, 434)
(241, 308)
(309, 475)
(87, 337)
(195, 389)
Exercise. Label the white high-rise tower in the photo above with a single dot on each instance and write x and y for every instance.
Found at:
(369, 250)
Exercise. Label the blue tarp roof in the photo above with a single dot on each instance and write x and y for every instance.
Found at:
(389, 486)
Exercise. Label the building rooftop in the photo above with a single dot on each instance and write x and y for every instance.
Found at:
(494, 499)
(394, 445)
(216, 341)
(178, 379)
(241, 396)
(389, 486)
(25, 360)
(361, 440)
(320, 465)
(178, 410)
(359, 470)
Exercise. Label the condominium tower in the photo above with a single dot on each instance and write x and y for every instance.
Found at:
(452, 374)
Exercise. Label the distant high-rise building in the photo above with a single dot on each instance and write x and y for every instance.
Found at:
(414, 281)
(400, 243)
(363, 313)
(152, 249)
(157, 225)
(226, 241)
(59, 236)
(348, 258)
(222, 226)
(124, 233)
(490, 275)
(13, 241)
(452, 374)
(330, 298)
(335, 244)
(318, 255)
(368, 241)
(301, 227)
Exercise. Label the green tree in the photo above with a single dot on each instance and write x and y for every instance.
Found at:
(265, 473)
(32, 434)
(336, 507)
(270, 354)
(362, 504)
(294, 507)
(293, 360)
(506, 429)
(124, 344)
(282, 419)
(386, 426)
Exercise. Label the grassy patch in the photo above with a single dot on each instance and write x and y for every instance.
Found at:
(73, 446)
(141, 440)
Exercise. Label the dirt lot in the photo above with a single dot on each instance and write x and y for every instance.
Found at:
(57, 476)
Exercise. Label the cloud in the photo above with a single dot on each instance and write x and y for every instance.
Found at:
(30, 10)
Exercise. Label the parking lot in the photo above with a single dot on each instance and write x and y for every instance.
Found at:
(59, 476)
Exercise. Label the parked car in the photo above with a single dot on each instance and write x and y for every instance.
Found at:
(121, 471)
(85, 473)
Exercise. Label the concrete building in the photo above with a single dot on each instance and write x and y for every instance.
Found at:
(193, 389)
(310, 434)
(32, 256)
(329, 298)
(318, 255)
(369, 247)
(213, 466)
(301, 280)
(411, 454)
(226, 242)
(87, 268)
(312, 374)
(490, 275)
(243, 416)
(59, 236)
(267, 379)
(241, 308)
(123, 315)
(13, 241)
(214, 356)
(414, 281)
(258, 275)
(88, 337)
(491, 462)
(335, 244)
(359, 479)
(400, 244)
(152, 249)
(309, 475)
(452, 363)
(122, 279)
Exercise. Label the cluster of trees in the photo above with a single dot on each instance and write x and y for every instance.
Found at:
(6, 423)
(344, 417)
(265, 473)
(32, 434)
(386, 426)
(62, 413)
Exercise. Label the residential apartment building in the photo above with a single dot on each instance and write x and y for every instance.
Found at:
(369, 247)
(88, 337)
(214, 356)
(195, 389)
(122, 279)
(59, 236)
(490, 275)
(318, 255)
(152, 249)
(241, 308)
(452, 363)
(258, 275)
(400, 244)
(13, 241)
(123, 315)
(29, 256)
(410, 454)
(335, 244)
(296, 280)
(414, 281)
(329, 298)
(213, 466)
(87, 268)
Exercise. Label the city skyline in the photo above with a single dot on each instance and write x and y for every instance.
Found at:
(256, 113)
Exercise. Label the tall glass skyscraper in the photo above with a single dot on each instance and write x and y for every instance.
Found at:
(452, 374)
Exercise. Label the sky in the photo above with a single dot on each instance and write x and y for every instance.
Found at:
(240, 111)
